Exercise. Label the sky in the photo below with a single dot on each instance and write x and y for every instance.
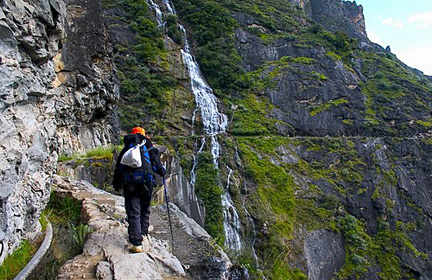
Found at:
(405, 26)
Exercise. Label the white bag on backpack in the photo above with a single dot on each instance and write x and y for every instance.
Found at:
(132, 157)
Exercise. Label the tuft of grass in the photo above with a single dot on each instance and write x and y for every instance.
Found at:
(64, 157)
(101, 152)
(80, 233)
(66, 209)
(15, 262)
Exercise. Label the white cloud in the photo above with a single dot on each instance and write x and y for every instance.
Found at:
(419, 58)
(423, 19)
(393, 22)
(375, 38)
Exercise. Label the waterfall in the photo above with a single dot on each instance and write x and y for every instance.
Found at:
(195, 162)
(231, 219)
(251, 221)
(214, 123)
(158, 12)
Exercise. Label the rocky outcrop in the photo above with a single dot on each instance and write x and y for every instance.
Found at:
(337, 15)
(57, 93)
(182, 193)
(105, 253)
(317, 92)
(86, 80)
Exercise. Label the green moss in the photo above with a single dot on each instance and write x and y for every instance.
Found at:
(348, 122)
(388, 84)
(426, 124)
(356, 242)
(144, 69)
(15, 262)
(327, 105)
(332, 55)
(364, 251)
(318, 76)
(250, 117)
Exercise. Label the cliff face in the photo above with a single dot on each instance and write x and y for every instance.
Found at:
(57, 95)
(380, 183)
(354, 184)
(343, 16)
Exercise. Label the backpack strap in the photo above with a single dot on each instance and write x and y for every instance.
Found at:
(146, 159)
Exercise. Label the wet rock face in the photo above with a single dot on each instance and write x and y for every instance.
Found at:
(325, 254)
(43, 94)
(182, 193)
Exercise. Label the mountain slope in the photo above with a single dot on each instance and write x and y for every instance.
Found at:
(363, 191)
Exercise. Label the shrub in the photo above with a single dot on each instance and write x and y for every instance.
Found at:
(209, 191)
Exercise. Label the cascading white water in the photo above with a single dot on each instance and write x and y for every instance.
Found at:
(158, 12)
(195, 162)
(214, 123)
(231, 219)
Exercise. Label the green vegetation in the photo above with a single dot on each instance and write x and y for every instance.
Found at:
(213, 31)
(286, 207)
(327, 105)
(251, 117)
(288, 173)
(209, 191)
(318, 76)
(365, 251)
(80, 233)
(69, 234)
(145, 69)
(97, 153)
(102, 152)
(63, 210)
(389, 84)
(15, 262)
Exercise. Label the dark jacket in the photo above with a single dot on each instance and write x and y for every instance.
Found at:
(130, 141)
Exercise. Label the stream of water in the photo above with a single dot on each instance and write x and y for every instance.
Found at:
(214, 123)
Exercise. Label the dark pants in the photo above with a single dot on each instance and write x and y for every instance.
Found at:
(137, 204)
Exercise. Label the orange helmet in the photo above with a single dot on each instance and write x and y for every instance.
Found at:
(139, 130)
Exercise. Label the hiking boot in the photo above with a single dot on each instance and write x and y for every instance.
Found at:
(136, 249)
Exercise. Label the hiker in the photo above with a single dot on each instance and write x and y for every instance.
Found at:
(138, 183)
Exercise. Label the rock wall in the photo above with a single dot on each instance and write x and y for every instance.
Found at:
(337, 15)
(57, 91)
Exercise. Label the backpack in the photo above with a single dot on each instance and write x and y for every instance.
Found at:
(132, 157)
(139, 171)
